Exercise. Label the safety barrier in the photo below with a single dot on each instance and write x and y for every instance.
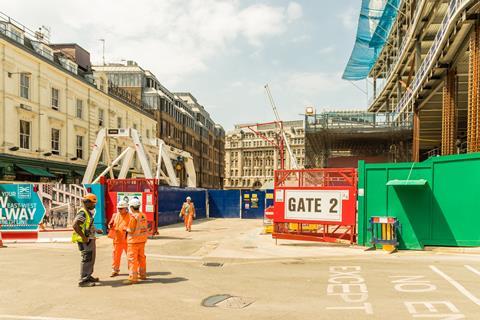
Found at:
(384, 232)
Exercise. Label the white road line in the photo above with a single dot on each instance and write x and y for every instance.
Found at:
(166, 257)
(457, 285)
(472, 269)
(13, 317)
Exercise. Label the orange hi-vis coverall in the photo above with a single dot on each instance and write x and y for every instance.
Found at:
(188, 213)
(136, 239)
(119, 225)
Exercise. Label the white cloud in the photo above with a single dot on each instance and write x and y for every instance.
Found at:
(172, 38)
(349, 18)
(294, 11)
(326, 50)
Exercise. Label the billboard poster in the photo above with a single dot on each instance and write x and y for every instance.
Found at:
(21, 209)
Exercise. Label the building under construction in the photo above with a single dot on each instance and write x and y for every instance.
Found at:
(421, 59)
(341, 138)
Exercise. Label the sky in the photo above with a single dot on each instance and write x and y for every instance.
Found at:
(222, 51)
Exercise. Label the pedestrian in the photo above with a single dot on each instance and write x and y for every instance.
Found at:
(84, 236)
(136, 238)
(118, 233)
(188, 213)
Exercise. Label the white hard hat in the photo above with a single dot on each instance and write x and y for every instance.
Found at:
(122, 204)
(134, 202)
(188, 198)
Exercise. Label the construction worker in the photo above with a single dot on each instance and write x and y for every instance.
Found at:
(136, 238)
(188, 213)
(84, 236)
(118, 232)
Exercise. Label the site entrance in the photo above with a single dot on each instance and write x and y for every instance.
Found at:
(315, 205)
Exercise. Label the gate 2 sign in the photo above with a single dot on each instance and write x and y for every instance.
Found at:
(20, 208)
(314, 205)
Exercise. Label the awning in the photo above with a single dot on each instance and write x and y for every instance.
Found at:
(419, 182)
(36, 171)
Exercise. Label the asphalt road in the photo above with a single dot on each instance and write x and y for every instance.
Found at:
(291, 280)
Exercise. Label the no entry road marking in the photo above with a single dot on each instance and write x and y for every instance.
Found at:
(457, 285)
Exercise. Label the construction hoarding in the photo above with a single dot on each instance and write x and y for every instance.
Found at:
(437, 202)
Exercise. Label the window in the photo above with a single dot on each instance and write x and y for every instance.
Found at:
(55, 99)
(24, 86)
(80, 147)
(25, 133)
(119, 122)
(55, 141)
(119, 150)
(79, 109)
(101, 117)
(148, 134)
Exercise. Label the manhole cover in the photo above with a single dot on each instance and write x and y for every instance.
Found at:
(213, 264)
(226, 301)
(213, 300)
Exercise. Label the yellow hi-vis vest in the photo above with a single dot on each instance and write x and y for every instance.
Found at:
(85, 225)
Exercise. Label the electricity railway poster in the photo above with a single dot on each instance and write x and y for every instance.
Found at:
(21, 209)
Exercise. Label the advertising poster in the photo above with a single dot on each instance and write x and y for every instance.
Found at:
(21, 209)
(127, 196)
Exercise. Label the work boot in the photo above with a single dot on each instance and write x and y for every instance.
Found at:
(93, 279)
(127, 282)
(114, 274)
(143, 277)
(84, 284)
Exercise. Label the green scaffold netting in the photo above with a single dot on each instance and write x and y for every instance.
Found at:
(374, 25)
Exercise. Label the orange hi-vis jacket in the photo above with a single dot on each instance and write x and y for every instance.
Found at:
(137, 228)
(120, 225)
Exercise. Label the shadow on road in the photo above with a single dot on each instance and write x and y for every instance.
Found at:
(119, 282)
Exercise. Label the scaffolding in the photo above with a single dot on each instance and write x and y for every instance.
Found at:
(338, 138)
(473, 124)
(449, 116)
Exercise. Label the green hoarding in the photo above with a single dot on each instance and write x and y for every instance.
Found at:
(436, 201)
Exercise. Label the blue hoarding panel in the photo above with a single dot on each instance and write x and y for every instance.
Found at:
(100, 212)
(253, 204)
(224, 203)
(170, 202)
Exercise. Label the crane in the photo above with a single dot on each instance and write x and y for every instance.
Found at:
(293, 160)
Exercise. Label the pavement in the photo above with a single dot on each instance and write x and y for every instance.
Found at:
(226, 269)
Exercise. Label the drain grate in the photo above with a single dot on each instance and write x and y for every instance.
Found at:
(226, 301)
(213, 264)
(250, 247)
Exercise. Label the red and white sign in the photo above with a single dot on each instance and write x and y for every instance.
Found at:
(314, 205)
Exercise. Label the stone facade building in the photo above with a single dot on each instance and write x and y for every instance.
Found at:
(181, 121)
(250, 160)
(52, 105)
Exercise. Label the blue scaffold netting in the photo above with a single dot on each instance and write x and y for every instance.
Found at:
(374, 25)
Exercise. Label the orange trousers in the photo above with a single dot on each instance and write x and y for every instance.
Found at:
(188, 219)
(137, 261)
(118, 249)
